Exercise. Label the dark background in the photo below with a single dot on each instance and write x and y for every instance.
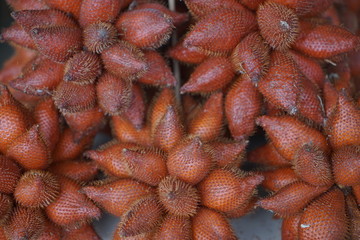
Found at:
(5, 20)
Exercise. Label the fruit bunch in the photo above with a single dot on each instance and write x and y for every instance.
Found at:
(316, 176)
(41, 172)
(283, 47)
(173, 169)
(181, 182)
(86, 55)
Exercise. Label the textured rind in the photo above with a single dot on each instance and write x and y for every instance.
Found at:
(289, 134)
(118, 196)
(72, 206)
(278, 24)
(346, 165)
(292, 198)
(212, 74)
(190, 160)
(208, 224)
(242, 106)
(251, 56)
(325, 217)
(282, 83)
(208, 121)
(220, 31)
(225, 190)
(145, 28)
(326, 41)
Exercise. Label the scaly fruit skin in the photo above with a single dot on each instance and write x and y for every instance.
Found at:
(178, 177)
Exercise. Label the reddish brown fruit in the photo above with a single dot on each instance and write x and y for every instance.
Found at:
(76, 170)
(268, 155)
(186, 54)
(39, 77)
(310, 103)
(243, 209)
(71, 97)
(356, 192)
(291, 199)
(30, 19)
(71, 207)
(30, 150)
(83, 68)
(306, 7)
(125, 131)
(190, 168)
(289, 134)
(252, 4)
(228, 153)
(279, 178)
(212, 74)
(85, 232)
(47, 116)
(325, 217)
(145, 165)
(6, 207)
(319, 41)
(118, 196)
(278, 24)
(86, 122)
(51, 232)
(220, 31)
(57, 43)
(18, 5)
(110, 158)
(113, 93)
(353, 213)
(13, 119)
(331, 96)
(208, 224)
(136, 111)
(142, 217)
(208, 122)
(93, 11)
(344, 123)
(177, 18)
(313, 166)
(68, 148)
(177, 197)
(174, 227)
(281, 85)
(16, 34)
(200, 8)
(290, 226)
(25, 223)
(160, 105)
(100, 36)
(37, 189)
(9, 175)
(251, 57)
(169, 130)
(159, 72)
(346, 165)
(309, 67)
(72, 7)
(235, 189)
(240, 116)
(145, 28)
(125, 61)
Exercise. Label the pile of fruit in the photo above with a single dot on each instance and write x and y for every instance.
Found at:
(289, 69)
